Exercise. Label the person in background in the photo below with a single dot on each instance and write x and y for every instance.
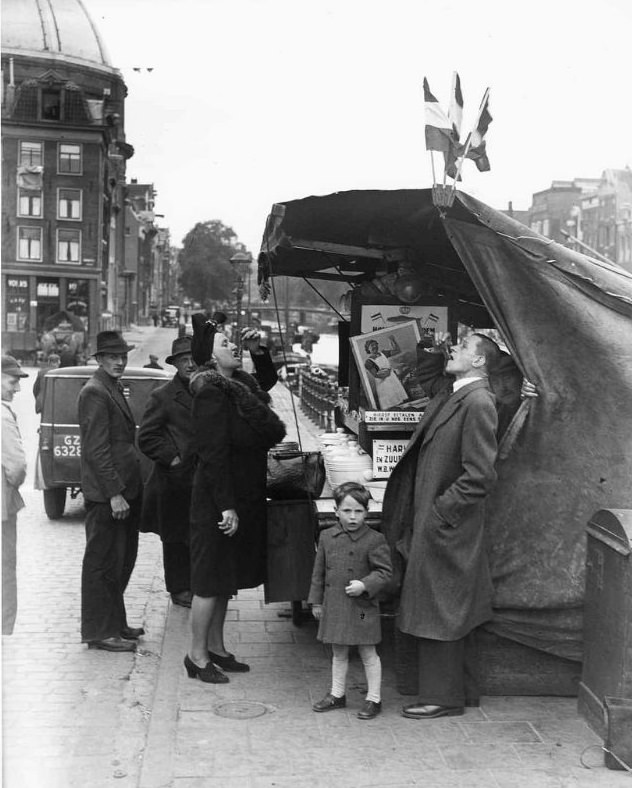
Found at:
(13, 475)
(52, 362)
(153, 362)
(112, 488)
(233, 429)
(165, 436)
(352, 566)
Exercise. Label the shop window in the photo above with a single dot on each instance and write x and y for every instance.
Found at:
(29, 243)
(78, 299)
(68, 246)
(16, 306)
(30, 154)
(29, 202)
(70, 159)
(69, 204)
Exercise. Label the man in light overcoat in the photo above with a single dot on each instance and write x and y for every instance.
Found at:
(13, 475)
(433, 518)
(112, 489)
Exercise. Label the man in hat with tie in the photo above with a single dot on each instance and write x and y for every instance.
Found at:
(165, 436)
(433, 517)
(13, 475)
(112, 489)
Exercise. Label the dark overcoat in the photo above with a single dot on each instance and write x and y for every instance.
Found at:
(342, 556)
(165, 432)
(231, 440)
(434, 511)
(110, 462)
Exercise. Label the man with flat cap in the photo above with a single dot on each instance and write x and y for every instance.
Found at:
(165, 436)
(112, 488)
(13, 475)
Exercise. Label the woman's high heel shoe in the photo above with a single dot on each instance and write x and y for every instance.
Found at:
(209, 673)
(228, 663)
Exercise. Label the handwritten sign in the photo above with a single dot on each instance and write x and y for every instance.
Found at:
(392, 416)
(386, 455)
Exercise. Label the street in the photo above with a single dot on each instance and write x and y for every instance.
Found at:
(74, 717)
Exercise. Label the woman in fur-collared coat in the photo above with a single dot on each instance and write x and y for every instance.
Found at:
(233, 428)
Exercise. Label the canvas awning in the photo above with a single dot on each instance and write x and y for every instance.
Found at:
(567, 319)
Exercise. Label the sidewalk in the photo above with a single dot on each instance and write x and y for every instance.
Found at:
(259, 730)
(79, 718)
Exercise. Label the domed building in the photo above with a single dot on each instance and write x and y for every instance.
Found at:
(64, 155)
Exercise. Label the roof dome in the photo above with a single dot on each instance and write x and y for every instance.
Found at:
(59, 29)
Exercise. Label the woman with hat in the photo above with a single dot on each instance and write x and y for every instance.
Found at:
(233, 428)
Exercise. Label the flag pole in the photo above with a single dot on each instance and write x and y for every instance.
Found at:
(470, 136)
(434, 177)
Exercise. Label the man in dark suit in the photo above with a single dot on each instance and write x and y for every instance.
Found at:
(165, 436)
(433, 518)
(112, 488)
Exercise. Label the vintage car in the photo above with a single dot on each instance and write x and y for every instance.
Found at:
(59, 449)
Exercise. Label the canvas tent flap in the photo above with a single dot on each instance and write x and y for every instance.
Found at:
(568, 322)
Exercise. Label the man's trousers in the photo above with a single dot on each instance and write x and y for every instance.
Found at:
(448, 671)
(9, 581)
(108, 562)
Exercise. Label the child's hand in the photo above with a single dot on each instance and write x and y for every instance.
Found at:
(355, 588)
(317, 611)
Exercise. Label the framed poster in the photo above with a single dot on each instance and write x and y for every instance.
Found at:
(386, 359)
(429, 319)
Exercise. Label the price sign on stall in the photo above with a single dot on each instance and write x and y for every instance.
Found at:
(386, 455)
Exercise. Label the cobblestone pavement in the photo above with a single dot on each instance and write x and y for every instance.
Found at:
(74, 717)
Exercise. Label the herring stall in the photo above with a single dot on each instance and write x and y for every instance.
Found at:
(415, 267)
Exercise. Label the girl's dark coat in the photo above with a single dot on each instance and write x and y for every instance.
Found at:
(341, 557)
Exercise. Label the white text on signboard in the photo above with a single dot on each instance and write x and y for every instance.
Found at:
(392, 416)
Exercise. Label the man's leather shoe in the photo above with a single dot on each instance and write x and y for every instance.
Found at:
(132, 633)
(113, 644)
(428, 711)
(370, 709)
(329, 703)
(182, 598)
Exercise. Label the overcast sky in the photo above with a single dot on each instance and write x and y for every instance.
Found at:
(252, 102)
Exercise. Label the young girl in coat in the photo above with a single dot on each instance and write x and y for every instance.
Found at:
(352, 565)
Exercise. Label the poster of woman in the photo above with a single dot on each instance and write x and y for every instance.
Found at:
(384, 358)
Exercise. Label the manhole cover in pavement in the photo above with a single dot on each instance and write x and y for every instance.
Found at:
(240, 709)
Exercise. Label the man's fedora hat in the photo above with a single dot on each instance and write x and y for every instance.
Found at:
(179, 347)
(11, 366)
(111, 342)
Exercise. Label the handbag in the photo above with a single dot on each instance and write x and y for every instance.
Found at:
(295, 475)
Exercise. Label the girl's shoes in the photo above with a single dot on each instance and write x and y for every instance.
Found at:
(329, 703)
(228, 663)
(209, 673)
(370, 709)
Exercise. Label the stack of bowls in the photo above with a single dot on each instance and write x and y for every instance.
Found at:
(377, 489)
(346, 462)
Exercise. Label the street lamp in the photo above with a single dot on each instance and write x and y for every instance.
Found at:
(241, 266)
